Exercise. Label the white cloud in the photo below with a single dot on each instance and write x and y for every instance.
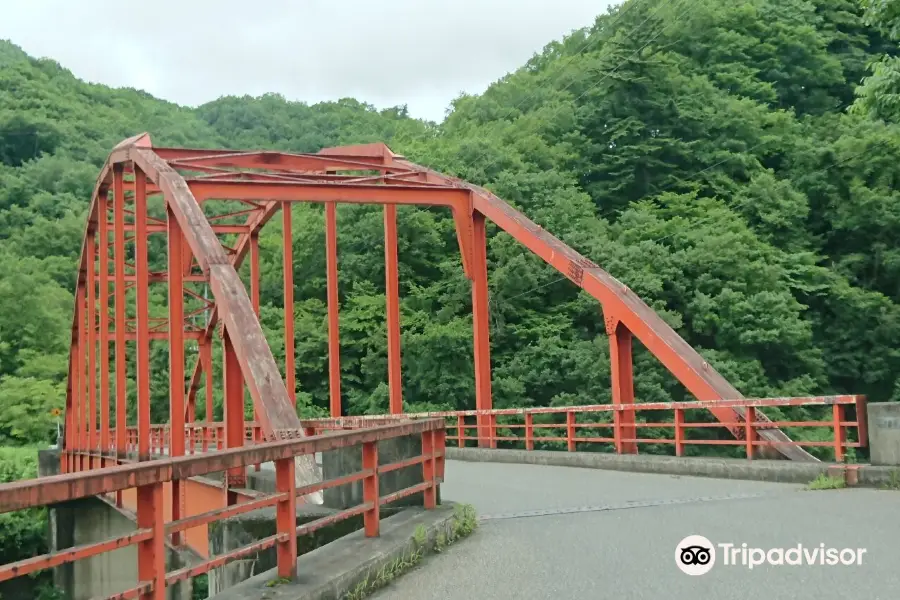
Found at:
(422, 53)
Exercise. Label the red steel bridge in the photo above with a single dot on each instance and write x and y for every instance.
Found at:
(156, 469)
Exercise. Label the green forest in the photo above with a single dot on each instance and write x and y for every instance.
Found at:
(734, 163)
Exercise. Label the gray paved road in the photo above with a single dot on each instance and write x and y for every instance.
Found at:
(565, 533)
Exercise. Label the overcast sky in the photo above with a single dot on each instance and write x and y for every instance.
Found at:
(419, 52)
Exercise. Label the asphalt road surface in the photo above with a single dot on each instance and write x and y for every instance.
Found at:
(567, 533)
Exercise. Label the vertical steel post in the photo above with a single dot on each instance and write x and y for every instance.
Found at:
(83, 377)
(234, 413)
(679, 432)
(392, 291)
(290, 375)
(334, 336)
(623, 387)
(750, 436)
(529, 431)
(481, 330)
(286, 517)
(121, 299)
(176, 357)
(428, 469)
(152, 552)
(77, 381)
(68, 444)
(206, 358)
(142, 315)
(840, 435)
(103, 265)
(370, 488)
(91, 251)
(254, 296)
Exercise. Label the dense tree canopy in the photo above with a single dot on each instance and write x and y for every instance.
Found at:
(719, 157)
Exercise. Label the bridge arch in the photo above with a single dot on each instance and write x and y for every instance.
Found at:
(265, 183)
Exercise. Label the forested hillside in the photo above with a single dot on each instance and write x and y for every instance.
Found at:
(711, 154)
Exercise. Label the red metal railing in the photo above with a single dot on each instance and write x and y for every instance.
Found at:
(543, 425)
(149, 476)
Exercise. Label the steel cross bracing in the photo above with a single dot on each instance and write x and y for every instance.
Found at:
(208, 302)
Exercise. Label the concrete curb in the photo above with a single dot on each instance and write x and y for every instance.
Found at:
(779, 471)
(332, 571)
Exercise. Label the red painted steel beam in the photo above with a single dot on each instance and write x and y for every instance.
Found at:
(240, 251)
(288, 286)
(334, 336)
(618, 302)
(103, 266)
(176, 357)
(142, 315)
(218, 228)
(275, 161)
(642, 406)
(76, 385)
(92, 346)
(620, 358)
(68, 555)
(234, 411)
(277, 413)
(481, 328)
(322, 192)
(392, 293)
(30, 493)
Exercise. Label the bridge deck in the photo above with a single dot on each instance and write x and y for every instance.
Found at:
(556, 532)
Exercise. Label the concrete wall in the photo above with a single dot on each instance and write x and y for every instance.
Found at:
(884, 433)
(92, 520)
(345, 461)
(240, 531)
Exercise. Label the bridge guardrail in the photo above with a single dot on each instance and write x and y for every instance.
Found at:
(540, 425)
(149, 476)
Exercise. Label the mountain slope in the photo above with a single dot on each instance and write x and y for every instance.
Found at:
(700, 151)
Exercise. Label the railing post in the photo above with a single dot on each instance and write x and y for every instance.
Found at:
(617, 429)
(286, 517)
(428, 471)
(370, 488)
(440, 446)
(529, 431)
(750, 433)
(151, 553)
(839, 434)
(679, 432)
(461, 431)
(570, 430)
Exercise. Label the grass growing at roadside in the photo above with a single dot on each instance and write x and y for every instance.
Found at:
(462, 524)
(893, 482)
(826, 482)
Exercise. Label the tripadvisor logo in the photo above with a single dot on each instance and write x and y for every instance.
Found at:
(696, 555)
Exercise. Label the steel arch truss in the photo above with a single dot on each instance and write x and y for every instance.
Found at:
(266, 183)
